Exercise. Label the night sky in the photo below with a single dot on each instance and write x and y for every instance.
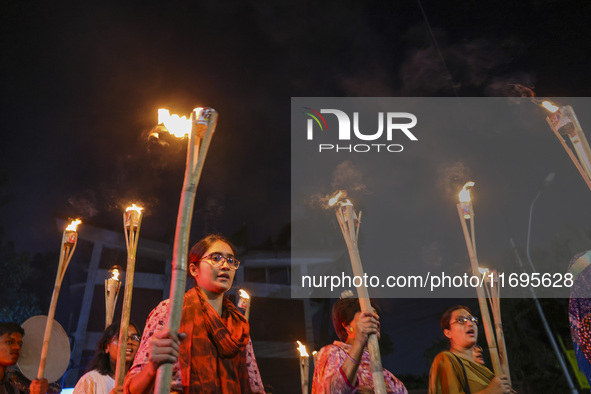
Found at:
(81, 84)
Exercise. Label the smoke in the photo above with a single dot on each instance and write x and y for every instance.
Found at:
(519, 85)
(451, 178)
(118, 200)
(478, 64)
(85, 204)
(347, 177)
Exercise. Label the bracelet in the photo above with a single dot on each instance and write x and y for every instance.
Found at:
(351, 358)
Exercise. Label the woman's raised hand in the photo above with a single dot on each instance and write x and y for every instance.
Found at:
(367, 324)
(164, 347)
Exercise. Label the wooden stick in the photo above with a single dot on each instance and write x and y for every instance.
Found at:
(347, 223)
(488, 331)
(571, 155)
(69, 241)
(111, 293)
(132, 236)
(496, 308)
(304, 372)
(195, 159)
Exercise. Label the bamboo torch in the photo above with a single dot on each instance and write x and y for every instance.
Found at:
(112, 286)
(564, 122)
(69, 241)
(132, 221)
(244, 304)
(466, 212)
(350, 223)
(493, 291)
(200, 129)
(304, 367)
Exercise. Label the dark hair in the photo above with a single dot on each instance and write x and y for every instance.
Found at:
(102, 361)
(10, 327)
(446, 317)
(343, 312)
(198, 250)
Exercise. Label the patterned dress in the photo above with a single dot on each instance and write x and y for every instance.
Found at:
(579, 311)
(329, 377)
(157, 322)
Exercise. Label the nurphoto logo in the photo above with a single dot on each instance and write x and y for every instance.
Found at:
(396, 123)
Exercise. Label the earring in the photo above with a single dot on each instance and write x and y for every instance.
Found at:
(350, 329)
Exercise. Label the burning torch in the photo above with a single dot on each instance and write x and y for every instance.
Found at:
(69, 241)
(132, 220)
(112, 286)
(350, 222)
(304, 366)
(200, 129)
(564, 123)
(244, 304)
(466, 212)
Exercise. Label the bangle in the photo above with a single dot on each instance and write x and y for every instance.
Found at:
(351, 358)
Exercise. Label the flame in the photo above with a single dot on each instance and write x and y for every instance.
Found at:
(72, 226)
(134, 208)
(347, 202)
(335, 198)
(244, 294)
(115, 274)
(176, 125)
(302, 350)
(549, 106)
(465, 193)
(314, 353)
(483, 271)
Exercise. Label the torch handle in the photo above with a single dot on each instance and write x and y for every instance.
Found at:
(48, 327)
(66, 253)
(572, 156)
(181, 240)
(488, 331)
(350, 236)
(124, 325)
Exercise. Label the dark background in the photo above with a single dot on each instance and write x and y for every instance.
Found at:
(81, 84)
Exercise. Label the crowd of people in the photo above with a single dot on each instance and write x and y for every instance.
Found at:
(213, 352)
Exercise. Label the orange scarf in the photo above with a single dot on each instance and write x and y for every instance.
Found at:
(212, 357)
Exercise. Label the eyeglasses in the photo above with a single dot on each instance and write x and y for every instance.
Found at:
(133, 337)
(463, 319)
(217, 260)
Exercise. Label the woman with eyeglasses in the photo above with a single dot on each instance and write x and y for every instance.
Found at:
(455, 371)
(212, 353)
(100, 375)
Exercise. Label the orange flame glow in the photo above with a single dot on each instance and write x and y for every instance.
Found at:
(244, 294)
(347, 202)
(73, 225)
(549, 106)
(176, 125)
(465, 193)
(134, 208)
(483, 271)
(302, 350)
(334, 199)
